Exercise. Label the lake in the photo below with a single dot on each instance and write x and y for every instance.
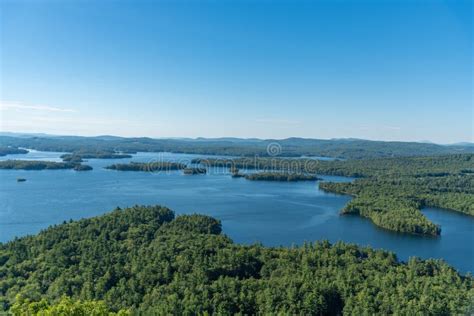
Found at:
(273, 213)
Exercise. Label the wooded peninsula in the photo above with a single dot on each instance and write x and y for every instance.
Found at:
(41, 165)
(280, 176)
(8, 150)
(389, 191)
(144, 260)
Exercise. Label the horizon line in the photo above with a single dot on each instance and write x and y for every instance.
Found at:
(39, 134)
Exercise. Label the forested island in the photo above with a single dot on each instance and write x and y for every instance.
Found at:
(281, 176)
(41, 165)
(145, 260)
(148, 166)
(80, 167)
(192, 171)
(389, 191)
(78, 156)
(8, 150)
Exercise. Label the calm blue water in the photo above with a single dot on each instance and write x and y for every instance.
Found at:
(273, 213)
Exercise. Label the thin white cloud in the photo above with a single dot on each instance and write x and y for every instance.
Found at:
(5, 105)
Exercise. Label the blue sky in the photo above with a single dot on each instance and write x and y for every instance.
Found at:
(389, 70)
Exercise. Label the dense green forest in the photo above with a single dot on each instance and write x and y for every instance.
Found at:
(392, 198)
(291, 147)
(389, 191)
(7, 150)
(64, 307)
(430, 166)
(393, 190)
(41, 165)
(145, 260)
(280, 176)
(147, 166)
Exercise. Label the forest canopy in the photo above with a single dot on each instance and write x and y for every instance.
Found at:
(148, 166)
(145, 260)
(8, 150)
(78, 156)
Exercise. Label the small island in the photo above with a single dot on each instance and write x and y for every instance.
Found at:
(281, 176)
(236, 173)
(41, 165)
(147, 166)
(72, 158)
(80, 167)
(193, 171)
(78, 156)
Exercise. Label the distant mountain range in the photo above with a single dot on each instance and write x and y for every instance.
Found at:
(463, 144)
(226, 139)
(346, 148)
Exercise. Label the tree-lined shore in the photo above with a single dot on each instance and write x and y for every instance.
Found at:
(42, 165)
(145, 260)
(389, 191)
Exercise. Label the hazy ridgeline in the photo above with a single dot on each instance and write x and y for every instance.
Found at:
(291, 147)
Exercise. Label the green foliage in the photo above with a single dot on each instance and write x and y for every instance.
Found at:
(291, 147)
(149, 167)
(432, 166)
(8, 150)
(389, 191)
(144, 260)
(194, 224)
(393, 202)
(41, 165)
(281, 176)
(79, 155)
(390, 212)
(65, 306)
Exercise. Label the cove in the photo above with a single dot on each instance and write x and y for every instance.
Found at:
(271, 213)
